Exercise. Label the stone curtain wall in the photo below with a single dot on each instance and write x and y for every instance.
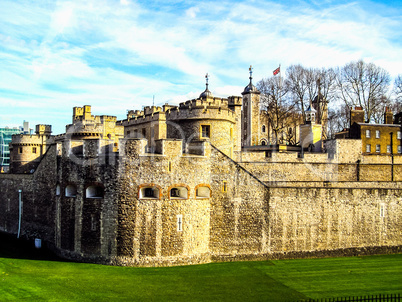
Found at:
(38, 200)
(313, 219)
(305, 170)
(9, 199)
(239, 216)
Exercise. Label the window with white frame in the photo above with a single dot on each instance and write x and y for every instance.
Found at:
(368, 133)
(377, 134)
(399, 149)
(398, 135)
(368, 148)
(388, 148)
(378, 148)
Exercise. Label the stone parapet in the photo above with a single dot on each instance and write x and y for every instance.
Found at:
(205, 113)
(29, 140)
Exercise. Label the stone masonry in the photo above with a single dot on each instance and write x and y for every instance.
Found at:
(185, 184)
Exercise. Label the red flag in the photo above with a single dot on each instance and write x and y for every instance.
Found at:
(276, 71)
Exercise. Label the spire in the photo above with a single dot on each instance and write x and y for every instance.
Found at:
(250, 87)
(206, 92)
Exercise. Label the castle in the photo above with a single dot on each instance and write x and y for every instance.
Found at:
(200, 182)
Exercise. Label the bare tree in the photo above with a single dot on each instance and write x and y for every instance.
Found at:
(363, 84)
(305, 84)
(296, 84)
(280, 110)
(398, 88)
(383, 103)
(338, 119)
(397, 104)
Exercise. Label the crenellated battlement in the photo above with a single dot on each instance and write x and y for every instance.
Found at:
(141, 118)
(148, 110)
(107, 118)
(235, 101)
(28, 140)
(43, 129)
(202, 111)
(205, 102)
(85, 128)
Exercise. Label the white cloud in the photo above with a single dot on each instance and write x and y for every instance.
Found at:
(121, 53)
(192, 12)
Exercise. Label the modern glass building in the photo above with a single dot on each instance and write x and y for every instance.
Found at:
(5, 139)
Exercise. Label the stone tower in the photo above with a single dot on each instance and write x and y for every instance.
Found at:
(251, 114)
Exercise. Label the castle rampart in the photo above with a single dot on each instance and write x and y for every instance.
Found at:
(193, 183)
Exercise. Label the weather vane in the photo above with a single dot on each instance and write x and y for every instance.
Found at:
(206, 78)
(251, 71)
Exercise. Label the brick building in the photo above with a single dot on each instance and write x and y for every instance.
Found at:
(376, 138)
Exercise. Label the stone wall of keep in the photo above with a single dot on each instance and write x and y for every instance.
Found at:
(216, 109)
(148, 231)
(190, 130)
(313, 219)
(86, 224)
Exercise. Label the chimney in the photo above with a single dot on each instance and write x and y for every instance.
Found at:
(356, 115)
(388, 116)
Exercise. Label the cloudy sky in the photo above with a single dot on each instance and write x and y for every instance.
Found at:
(119, 55)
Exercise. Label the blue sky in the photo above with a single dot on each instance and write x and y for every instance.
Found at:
(116, 55)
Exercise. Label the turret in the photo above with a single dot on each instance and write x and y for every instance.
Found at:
(251, 114)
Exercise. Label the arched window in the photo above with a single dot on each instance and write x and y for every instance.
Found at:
(71, 191)
(178, 192)
(263, 143)
(263, 129)
(202, 191)
(149, 191)
(58, 190)
(94, 191)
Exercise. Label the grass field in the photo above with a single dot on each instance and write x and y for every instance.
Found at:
(27, 274)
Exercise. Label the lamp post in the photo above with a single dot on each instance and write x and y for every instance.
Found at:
(19, 212)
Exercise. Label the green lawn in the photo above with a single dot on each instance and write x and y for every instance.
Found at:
(37, 279)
